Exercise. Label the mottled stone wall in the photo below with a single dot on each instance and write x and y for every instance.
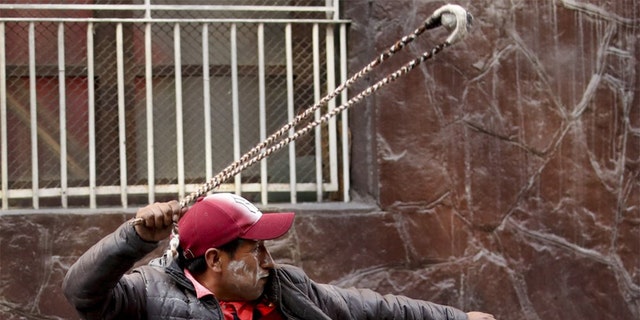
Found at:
(503, 175)
(35, 252)
(509, 163)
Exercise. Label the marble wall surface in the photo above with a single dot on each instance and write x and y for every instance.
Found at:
(503, 175)
(509, 163)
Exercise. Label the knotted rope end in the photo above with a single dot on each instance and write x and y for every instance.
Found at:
(455, 19)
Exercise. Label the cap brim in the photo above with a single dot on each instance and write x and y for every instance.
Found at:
(270, 226)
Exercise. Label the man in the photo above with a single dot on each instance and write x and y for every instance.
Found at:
(223, 271)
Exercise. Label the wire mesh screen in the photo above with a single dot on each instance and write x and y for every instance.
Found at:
(118, 103)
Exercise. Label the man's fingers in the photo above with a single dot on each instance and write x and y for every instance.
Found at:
(182, 212)
(145, 214)
(476, 315)
(167, 216)
(154, 222)
(176, 211)
(157, 215)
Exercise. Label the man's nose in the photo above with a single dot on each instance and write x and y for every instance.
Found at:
(266, 262)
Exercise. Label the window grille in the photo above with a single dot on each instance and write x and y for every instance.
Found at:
(123, 103)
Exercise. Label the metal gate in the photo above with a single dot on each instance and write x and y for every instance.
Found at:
(123, 103)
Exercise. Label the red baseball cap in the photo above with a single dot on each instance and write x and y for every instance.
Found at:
(216, 219)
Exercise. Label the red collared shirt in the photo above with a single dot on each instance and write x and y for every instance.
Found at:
(244, 309)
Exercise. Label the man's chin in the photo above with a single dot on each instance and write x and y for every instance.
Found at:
(257, 295)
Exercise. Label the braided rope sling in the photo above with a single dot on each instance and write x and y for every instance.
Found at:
(453, 17)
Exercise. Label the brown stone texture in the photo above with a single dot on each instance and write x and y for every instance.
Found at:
(502, 175)
(508, 161)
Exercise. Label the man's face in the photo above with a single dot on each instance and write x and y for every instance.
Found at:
(245, 273)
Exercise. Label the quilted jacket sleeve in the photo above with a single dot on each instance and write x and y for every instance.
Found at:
(300, 296)
(96, 286)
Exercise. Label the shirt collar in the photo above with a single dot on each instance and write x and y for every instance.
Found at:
(201, 291)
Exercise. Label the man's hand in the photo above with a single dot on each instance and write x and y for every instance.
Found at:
(475, 315)
(158, 220)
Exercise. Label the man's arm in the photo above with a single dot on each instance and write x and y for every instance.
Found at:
(91, 284)
(95, 282)
(368, 304)
(352, 303)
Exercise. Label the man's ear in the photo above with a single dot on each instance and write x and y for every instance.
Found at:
(213, 258)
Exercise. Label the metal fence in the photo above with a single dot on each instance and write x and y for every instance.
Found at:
(122, 103)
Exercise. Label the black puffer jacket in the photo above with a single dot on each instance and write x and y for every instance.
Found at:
(96, 285)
